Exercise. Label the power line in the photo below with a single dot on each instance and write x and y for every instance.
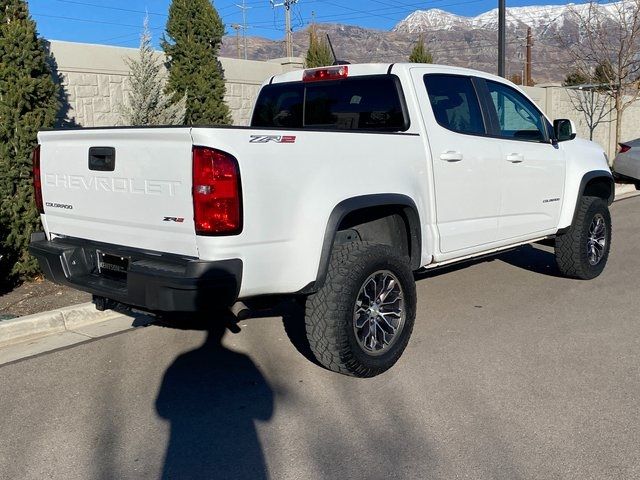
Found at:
(86, 4)
(258, 4)
(359, 11)
(84, 20)
(375, 12)
(120, 37)
(103, 22)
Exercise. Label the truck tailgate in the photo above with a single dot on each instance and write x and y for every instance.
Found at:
(129, 187)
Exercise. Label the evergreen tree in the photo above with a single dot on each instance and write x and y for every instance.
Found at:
(319, 53)
(420, 53)
(192, 43)
(575, 78)
(28, 103)
(600, 75)
(603, 73)
(147, 103)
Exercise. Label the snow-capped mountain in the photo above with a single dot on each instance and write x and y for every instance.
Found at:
(432, 19)
(541, 19)
(452, 39)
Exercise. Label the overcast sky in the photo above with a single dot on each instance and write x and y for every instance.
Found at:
(118, 22)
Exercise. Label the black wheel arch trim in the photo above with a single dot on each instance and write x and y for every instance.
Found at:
(353, 204)
(598, 174)
(587, 177)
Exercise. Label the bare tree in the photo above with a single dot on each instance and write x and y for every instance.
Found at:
(609, 35)
(594, 105)
(589, 96)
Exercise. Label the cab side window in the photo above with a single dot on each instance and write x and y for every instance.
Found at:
(518, 118)
(455, 103)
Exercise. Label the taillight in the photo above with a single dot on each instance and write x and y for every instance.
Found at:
(623, 148)
(326, 73)
(37, 180)
(216, 192)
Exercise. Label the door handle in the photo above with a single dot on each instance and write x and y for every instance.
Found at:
(515, 158)
(451, 156)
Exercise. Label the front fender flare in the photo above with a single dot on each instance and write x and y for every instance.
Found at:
(586, 178)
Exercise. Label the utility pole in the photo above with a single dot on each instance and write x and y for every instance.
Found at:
(237, 27)
(528, 81)
(502, 44)
(244, 9)
(287, 4)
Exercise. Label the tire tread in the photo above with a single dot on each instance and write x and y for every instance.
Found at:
(325, 334)
(569, 246)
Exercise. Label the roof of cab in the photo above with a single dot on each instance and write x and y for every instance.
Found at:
(360, 69)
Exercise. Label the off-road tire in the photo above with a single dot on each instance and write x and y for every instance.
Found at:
(571, 247)
(329, 315)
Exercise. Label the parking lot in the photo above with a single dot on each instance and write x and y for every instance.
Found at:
(512, 372)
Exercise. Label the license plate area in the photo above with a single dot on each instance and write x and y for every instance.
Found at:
(111, 266)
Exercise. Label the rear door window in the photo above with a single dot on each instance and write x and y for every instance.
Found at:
(371, 103)
(455, 103)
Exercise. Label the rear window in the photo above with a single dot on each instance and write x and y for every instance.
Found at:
(373, 103)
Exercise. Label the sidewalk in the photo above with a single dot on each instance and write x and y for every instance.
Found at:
(626, 190)
(43, 332)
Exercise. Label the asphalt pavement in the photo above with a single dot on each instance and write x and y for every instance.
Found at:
(512, 373)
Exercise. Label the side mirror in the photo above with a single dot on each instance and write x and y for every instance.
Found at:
(563, 130)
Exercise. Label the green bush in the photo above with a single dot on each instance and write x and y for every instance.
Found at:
(28, 103)
(420, 54)
(319, 53)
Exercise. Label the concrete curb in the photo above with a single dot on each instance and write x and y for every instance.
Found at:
(55, 321)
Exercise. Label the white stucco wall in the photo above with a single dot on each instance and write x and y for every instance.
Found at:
(95, 80)
(556, 103)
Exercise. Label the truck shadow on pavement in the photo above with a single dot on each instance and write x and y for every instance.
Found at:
(534, 258)
(212, 397)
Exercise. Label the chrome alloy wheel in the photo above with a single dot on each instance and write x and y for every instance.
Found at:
(379, 314)
(597, 240)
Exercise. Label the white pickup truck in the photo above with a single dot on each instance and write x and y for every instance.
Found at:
(349, 179)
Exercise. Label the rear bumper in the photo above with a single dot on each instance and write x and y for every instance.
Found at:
(153, 281)
(627, 166)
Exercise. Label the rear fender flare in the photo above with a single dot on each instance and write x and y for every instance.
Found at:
(409, 211)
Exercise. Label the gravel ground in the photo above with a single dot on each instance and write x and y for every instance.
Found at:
(38, 296)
